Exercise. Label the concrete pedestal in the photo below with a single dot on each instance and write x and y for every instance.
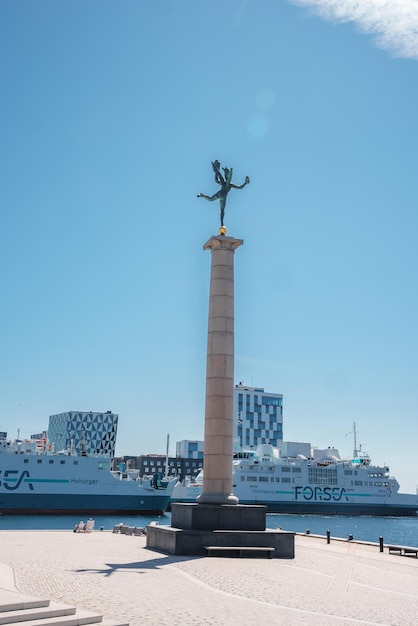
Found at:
(218, 517)
(192, 542)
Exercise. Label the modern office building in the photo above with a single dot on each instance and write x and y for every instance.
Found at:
(189, 449)
(258, 417)
(82, 431)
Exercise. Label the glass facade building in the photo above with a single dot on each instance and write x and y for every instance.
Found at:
(258, 417)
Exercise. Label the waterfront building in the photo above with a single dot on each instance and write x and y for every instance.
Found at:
(84, 432)
(258, 417)
(189, 449)
(149, 464)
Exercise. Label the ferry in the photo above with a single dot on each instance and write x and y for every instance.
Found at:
(36, 480)
(297, 478)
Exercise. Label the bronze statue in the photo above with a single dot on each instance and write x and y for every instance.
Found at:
(226, 185)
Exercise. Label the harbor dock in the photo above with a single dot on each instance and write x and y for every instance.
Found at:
(337, 583)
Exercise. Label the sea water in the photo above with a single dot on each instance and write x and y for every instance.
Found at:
(394, 530)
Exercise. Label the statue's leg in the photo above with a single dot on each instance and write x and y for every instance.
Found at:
(210, 198)
(222, 203)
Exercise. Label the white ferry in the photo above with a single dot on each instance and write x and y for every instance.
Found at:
(297, 478)
(35, 480)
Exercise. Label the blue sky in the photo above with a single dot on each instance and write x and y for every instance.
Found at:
(111, 114)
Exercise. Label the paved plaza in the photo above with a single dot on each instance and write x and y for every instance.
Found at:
(343, 583)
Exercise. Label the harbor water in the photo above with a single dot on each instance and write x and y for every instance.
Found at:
(394, 530)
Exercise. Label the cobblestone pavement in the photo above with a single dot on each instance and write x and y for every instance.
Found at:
(343, 583)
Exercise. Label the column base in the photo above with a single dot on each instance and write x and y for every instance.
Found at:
(215, 498)
(193, 516)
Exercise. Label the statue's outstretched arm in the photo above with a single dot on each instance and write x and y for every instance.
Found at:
(246, 182)
(218, 176)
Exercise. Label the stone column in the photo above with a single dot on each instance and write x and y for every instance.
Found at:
(219, 418)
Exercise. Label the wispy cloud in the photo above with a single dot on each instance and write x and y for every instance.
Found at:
(394, 23)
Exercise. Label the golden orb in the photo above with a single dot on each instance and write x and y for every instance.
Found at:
(222, 230)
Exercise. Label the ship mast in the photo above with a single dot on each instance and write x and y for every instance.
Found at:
(166, 455)
(355, 451)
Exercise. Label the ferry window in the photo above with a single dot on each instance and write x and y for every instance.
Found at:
(277, 479)
(242, 477)
(272, 479)
(322, 476)
(297, 470)
(25, 460)
(39, 460)
(62, 462)
(252, 478)
(377, 484)
(151, 462)
(285, 469)
(50, 461)
(145, 462)
(348, 472)
(359, 483)
(75, 462)
(263, 479)
(286, 480)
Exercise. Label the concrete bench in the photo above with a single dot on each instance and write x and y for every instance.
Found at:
(395, 550)
(410, 552)
(239, 551)
(403, 551)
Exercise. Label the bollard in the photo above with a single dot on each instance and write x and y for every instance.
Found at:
(350, 537)
(328, 536)
(308, 532)
(381, 544)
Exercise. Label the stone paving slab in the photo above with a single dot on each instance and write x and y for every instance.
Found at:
(343, 583)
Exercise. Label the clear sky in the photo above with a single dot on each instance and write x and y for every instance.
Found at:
(111, 113)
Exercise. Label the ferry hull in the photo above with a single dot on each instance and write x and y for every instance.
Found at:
(38, 483)
(87, 504)
(374, 510)
(303, 508)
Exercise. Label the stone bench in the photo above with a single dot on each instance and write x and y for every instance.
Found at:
(129, 530)
(395, 550)
(410, 552)
(403, 551)
(239, 551)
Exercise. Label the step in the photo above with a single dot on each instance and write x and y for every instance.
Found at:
(78, 618)
(18, 608)
(40, 612)
(14, 601)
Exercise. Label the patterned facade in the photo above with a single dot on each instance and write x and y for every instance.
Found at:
(258, 417)
(89, 432)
